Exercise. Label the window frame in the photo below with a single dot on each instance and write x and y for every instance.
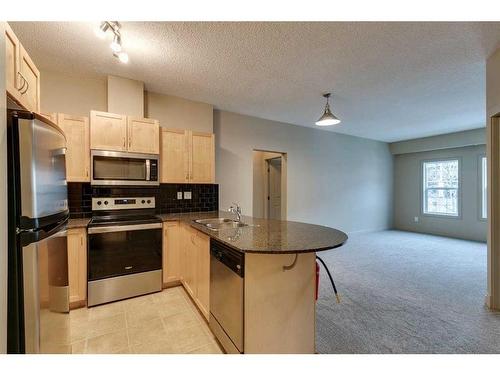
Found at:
(483, 195)
(458, 216)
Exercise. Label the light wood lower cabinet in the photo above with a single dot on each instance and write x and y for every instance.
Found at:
(172, 253)
(186, 257)
(77, 267)
(77, 132)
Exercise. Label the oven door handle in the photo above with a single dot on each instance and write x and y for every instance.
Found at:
(123, 228)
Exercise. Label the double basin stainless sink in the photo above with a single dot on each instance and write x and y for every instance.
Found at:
(221, 223)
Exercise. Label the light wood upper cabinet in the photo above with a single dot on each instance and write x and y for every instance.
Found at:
(12, 53)
(143, 135)
(22, 75)
(108, 131)
(77, 132)
(187, 157)
(30, 95)
(172, 252)
(51, 116)
(174, 156)
(202, 158)
(77, 266)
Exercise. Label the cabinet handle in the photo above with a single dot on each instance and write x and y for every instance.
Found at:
(123, 142)
(27, 88)
(24, 81)
(86, 172)
(81, 241)
(129, 142)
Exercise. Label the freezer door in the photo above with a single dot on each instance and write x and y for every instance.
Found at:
(46, 295)
(42, 148)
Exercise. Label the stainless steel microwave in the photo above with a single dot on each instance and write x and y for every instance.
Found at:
(123, 168)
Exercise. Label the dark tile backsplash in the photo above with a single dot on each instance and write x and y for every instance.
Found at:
(204, 197)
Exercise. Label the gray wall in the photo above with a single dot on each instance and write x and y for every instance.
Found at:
(3, 198)
(333, 179)
(408, 195)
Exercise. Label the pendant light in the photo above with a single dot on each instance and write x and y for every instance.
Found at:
(328, 117)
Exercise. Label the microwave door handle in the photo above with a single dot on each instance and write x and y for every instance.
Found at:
(148, 170)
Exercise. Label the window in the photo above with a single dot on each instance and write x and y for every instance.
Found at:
(484, 191)
(441, 187)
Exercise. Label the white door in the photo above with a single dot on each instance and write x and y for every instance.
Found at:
(274, 183)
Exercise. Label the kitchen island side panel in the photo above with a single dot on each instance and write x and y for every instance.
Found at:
(279, 311)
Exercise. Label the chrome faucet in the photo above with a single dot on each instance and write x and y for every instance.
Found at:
(236, 209)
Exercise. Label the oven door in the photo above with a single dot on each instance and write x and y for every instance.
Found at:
(124, 250)
(123, 168)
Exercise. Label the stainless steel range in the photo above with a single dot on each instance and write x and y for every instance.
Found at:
(124, 249)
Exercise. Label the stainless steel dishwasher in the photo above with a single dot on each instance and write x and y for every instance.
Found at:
(226, 296)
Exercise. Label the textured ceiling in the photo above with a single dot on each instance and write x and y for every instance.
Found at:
(391, 81)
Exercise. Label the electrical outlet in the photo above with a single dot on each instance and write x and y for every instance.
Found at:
(187, 195)
(416, 219)
(179, 195)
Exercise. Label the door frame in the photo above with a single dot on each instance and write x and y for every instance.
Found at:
(493, 189)
(267, 184)
(284, 187)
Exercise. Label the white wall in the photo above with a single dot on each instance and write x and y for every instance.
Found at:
(3, 198)
(71, 94)
(333, 179)
(125, 96)
(179, 113)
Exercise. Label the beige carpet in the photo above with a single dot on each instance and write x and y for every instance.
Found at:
(406, 293)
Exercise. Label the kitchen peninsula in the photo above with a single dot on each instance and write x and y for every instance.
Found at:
(275, 288)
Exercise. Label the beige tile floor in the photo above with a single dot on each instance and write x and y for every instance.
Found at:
(163, 322)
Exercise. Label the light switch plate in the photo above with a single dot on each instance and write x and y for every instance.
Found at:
(187, 195)
(416, 219)
(179, 195)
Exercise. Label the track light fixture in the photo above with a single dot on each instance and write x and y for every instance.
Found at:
(116, 43)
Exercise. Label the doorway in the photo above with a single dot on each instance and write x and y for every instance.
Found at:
(269, 185)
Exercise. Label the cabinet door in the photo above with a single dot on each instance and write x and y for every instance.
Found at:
(51, 116)
(203, 273)
(174, 156)
(189, 271)
(12, 53)
(108, 131)
(171, 252)
(77, 132)
(143, 135)
(77, 267)
(202, 158)
(30, 94)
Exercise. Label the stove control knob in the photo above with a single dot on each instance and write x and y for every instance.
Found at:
(106, 202)
(99, 203)
(149, 201)
(143, 201)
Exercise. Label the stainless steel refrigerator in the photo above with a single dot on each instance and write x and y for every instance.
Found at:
(38, 291)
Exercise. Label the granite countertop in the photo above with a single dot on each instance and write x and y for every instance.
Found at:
(267, 236)
(78, 223)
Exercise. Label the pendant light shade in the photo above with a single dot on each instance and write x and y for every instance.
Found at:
(328, 117)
